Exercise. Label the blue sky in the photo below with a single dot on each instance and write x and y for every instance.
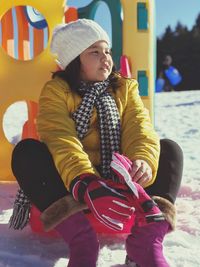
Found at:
(168, 12)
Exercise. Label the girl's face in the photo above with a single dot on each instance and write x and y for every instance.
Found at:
(96, 62)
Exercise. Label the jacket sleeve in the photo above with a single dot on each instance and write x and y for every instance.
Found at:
(139, 139)
(57, 130)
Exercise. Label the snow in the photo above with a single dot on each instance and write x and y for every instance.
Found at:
(176, 117)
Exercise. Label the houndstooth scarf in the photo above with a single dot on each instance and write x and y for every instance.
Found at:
(94, 95)
(21, 211)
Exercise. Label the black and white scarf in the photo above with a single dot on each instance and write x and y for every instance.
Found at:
(94, 95)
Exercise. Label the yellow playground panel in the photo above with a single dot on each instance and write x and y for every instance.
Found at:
(26, 62)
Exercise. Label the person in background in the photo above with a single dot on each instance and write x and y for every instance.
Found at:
(169, 74)
(94, 132)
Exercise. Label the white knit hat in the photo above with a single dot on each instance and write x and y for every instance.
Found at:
(70, 40)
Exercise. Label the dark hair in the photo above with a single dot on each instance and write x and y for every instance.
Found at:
(71, 74)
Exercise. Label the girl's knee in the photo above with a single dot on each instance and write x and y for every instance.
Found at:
(170, 147)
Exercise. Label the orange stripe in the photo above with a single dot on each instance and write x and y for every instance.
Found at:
(71, 14)
(7, 28)
(38, 41)
(25, 29)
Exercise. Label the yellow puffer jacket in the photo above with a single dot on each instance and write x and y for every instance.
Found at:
(73, 157)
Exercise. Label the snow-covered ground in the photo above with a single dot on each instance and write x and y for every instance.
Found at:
(177, 116)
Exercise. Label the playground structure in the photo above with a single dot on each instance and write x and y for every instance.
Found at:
(26, 62)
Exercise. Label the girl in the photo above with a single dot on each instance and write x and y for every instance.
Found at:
(88, 113)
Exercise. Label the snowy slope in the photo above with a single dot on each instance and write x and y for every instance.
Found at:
(177, 117)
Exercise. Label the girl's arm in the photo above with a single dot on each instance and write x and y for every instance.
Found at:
(57, 130)
(139, 139)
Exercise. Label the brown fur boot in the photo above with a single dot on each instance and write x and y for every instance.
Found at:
(59, 211)
(168, 209)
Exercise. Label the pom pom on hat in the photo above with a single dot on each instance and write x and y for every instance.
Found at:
(71, 39)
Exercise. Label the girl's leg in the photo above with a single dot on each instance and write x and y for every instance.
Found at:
(144, 244)
(170, 170)
(82, 240)
(34, 169)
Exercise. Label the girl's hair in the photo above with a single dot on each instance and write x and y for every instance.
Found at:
(71, 74)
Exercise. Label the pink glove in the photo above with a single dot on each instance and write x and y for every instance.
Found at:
(105, 199)
(122, 166)
(146, 209)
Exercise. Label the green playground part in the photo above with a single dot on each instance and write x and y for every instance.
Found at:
(143, 83)
(142, 16)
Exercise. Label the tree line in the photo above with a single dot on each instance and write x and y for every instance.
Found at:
(184, 47)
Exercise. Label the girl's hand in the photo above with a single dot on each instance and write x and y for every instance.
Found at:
(107, 200)
(141, 172)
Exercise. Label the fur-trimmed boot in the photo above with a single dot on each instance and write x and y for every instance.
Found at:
(34, 169)
(82, 240)
(144, 244)
(75, 229)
